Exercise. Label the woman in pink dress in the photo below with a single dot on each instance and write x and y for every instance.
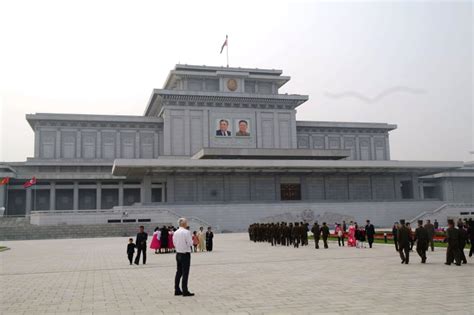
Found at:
(155, 241)
(351, 241)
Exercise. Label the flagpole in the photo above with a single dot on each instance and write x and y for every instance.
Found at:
(227, 51)
(34, 198)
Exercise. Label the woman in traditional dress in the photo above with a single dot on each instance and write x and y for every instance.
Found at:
(202, 239)
(164, 238)
(351, 241)
(170, 239)
(155, 241)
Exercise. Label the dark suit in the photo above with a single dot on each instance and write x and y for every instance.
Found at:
(140, 242)
(453, 252)
(223, 133)
(370, 232)
(130, 251)
(404, 239)
(430, 229)
(325, 234)
(209, 237)
(316, 233)
(422, 240)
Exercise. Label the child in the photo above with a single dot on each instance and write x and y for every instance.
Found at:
(195, 241)
(130, 250)
(362, 238)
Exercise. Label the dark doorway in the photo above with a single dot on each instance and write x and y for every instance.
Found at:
(290, 191)
(406, 187)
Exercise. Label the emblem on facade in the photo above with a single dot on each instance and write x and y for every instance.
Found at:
(232, 84)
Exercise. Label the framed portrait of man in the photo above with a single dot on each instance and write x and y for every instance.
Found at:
(223, 128)
(243, 128)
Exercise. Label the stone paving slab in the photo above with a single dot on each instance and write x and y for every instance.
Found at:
(92, 276)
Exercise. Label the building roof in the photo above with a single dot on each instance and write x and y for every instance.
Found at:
(130, 167)
(340, 124)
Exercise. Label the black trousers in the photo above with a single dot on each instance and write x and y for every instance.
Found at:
(471, 251)
(139, 251)
(395, 241)
(453, 254)
(209, 245)
(340, 240)
(370, 240)
(421, 250)
(432, 244)
(316, 242)
(130, 258)
(325, 241)
(404, 251)
(183, 262)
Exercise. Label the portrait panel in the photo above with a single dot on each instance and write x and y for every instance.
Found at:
(242, 127)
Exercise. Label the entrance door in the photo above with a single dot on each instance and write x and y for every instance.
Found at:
(290, 191)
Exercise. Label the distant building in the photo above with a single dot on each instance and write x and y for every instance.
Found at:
(222, 145)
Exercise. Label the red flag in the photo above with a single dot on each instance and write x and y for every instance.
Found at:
(5, 181)
(30, 183)
(223, 45)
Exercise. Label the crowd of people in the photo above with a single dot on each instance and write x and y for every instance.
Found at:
(296, 234)
(162, 242)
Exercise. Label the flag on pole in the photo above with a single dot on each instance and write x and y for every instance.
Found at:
(5, 181)
(223, 45)
(30, 183)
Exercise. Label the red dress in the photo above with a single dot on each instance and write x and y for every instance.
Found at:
(170, 240)
(155, 242)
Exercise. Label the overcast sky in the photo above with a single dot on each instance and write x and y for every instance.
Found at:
(398, 62)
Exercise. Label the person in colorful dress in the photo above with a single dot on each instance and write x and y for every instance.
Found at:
(155, 240)
(351, 241)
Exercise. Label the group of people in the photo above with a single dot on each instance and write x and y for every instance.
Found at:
(287, 234)
(423, 237)
(356, 235)
(162, 241)
(296, 234)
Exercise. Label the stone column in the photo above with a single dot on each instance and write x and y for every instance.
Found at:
(3, 196)
(75, 198)
(120, 194)
(29, 201)
(98, 197)
(37, 142)
(78, 144)
(52, 196)
(415, 186)
(169, 189)
(58, 144)
(145, 190)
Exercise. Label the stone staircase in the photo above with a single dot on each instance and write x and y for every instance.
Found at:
(21, 229)
(447, 211)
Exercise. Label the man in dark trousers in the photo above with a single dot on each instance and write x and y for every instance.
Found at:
(430, 229)
(436, 224)
(183, 242)
(316, 233)
(209, 237)
(140, 243)
(422, 240)
(395, 235)
(403, 237)
(463, 239)
(470, 232)
(453, 239)
(325, 234)
(370, 232)
(130, 250)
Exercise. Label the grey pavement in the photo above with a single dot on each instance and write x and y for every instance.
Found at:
(92, 276)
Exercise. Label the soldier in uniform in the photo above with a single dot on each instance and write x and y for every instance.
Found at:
(429, 227)
(422, 240)
(316, 233)
(403, 237)
(463, 239)
(296, 235)
(453, 239)
(140, 243)
(325, 234)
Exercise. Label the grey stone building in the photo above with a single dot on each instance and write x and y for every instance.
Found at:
(222, 145)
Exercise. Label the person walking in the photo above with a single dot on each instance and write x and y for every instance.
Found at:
(140, 243)
(430, 229)
(325, 234)
(422, 240)
(370, 233)
(316, 234)
(404, 238)
(209, 239)
(202, 239)
(395, 235)
(452, 252)
(183, 242)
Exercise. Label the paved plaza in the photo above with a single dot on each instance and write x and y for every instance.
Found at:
(85, 276)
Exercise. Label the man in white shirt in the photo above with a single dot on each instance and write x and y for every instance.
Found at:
(183, 242)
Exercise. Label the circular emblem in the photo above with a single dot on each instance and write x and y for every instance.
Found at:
(232, 84)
